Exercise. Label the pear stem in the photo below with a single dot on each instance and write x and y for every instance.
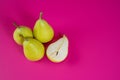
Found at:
(41, 14)
(21, 36)
(16, 25)
(25, 39)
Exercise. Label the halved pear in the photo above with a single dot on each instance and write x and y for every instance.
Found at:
(58, 51)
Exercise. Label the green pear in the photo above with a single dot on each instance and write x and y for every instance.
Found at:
(33, 49)
(43, 31)
(21, 30)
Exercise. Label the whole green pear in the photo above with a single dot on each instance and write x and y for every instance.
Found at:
(43, 31)
(21, 30)
(33, 49)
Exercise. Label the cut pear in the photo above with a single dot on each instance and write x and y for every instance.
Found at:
(58, 51)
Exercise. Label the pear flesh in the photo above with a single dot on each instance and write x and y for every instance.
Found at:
(33, 49)
(58, 51)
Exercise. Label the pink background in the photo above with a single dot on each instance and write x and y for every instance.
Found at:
(93, 30)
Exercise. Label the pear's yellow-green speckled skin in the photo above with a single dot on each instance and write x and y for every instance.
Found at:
(43, 31)
(24, 31)
(33, 49)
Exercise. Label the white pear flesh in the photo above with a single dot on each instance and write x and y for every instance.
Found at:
(58, 51)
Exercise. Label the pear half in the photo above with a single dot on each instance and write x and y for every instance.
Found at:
(58, 51)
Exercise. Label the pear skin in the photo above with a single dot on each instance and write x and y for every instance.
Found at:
(21, 30)
(33, 49)
(43, 31)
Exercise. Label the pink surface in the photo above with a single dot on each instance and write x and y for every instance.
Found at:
(93, 30)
